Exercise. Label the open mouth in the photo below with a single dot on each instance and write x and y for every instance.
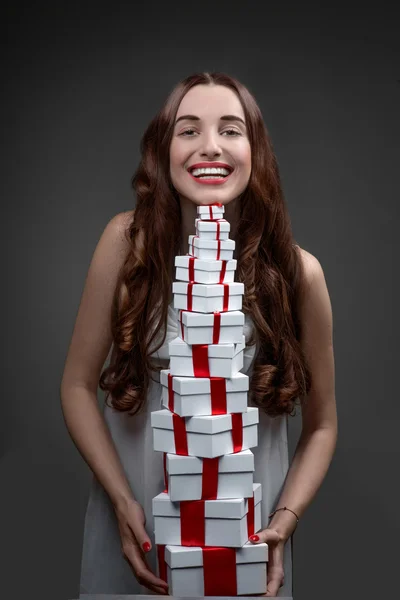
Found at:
(210, 175)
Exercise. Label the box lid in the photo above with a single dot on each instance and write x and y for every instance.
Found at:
(195, 319)
(225, 508)
(228, 463)
(178, 347)
(211, 244)
(208, 424)
(205, 210)
(192, 556)
(201, 385)
(203, 225)
(205, 265)
(208, 290)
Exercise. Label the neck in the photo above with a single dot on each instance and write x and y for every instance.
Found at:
(189, 214)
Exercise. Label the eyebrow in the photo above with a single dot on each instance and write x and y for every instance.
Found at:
(223, 118)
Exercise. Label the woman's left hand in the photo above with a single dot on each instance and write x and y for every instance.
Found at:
(275, 572)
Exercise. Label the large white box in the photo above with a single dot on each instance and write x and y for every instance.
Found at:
(211, 328)
(229, 476)
(205, 360)
(213, 230)
(190, 396)
(205, 436)
(210, 212)
(225, 522)
(208, 298)
(211, 249)
(204, 271)
(186, 577)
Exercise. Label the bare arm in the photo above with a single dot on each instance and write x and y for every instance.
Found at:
(318, 437)
(90, 344)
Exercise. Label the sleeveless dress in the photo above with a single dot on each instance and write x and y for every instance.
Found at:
(103, 568)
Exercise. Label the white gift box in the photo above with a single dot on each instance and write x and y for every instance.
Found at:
(186, 476)
(225, 522)
(204, 436)
(204, 271)
(213, 230)
(186, 577)
(210, 212)
(211, 249)
(190, 396)
(202, 360)
(208, 298)
(207, 328)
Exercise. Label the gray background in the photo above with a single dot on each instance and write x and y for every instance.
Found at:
(79, 88)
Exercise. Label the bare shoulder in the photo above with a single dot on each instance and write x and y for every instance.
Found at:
(121, 222)
(312, 267)
(115, 234)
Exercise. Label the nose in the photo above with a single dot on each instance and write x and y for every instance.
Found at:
(210, 145)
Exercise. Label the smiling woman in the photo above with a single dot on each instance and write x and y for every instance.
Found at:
(215, 126)
(208, 144)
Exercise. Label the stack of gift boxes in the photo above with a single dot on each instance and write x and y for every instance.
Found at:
(210, 505)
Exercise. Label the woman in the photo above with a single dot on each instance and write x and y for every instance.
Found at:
(127, 301)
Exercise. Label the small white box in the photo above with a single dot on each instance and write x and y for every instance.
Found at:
(208, 298)
(205, 436)
(202, 360)
(190, 396)
(207, 328)
(204, 271)
(211, 249)
(225, 522)
(186, 577)
(213, 230)
(185, 476)
(210, 213)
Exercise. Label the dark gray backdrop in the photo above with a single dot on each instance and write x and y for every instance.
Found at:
(79, 87)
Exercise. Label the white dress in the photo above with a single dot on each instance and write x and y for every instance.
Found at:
(103, 568)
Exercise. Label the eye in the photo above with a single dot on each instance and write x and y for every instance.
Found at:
(186, 131)
(232, 131)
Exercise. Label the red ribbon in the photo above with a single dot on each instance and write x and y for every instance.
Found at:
(216, 327)
(218, 396)
(218, 249)
(193, 523)
(250, 517)
(170, 394)
(209, 478)
(226, 296)
(219, 565)
(191, 269)
(210, 208)
(218, 231)
(180, 436)
(181, 320)
(223, 270)
(200, 360)
(237, 432)
(190, 296)
(162, 565)
(165, 472)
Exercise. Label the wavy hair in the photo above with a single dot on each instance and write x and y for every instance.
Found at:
(268, 263)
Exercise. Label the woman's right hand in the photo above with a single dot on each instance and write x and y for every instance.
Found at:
(135, 544)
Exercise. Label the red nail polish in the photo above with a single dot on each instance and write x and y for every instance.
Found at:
(146, 546)
(254, 538)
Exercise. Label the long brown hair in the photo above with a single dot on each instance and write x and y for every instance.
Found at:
(268, 263)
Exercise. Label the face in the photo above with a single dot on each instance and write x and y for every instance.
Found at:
(210, 132)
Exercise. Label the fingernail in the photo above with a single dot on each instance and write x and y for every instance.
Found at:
(146, 546)
(254, 538)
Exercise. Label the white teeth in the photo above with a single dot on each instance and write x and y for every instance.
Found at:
(211, 171)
